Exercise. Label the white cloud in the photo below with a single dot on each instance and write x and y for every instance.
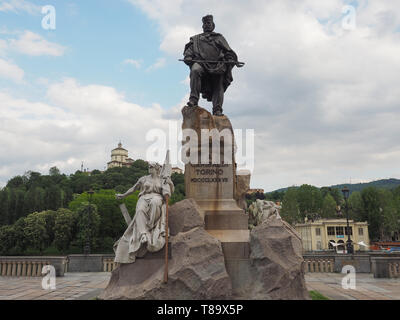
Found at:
(3, 47)
(33, 44)
(9, 70)
(324, 102)
(77, 123)
(17, 6)
(160, 63)
(136, 63)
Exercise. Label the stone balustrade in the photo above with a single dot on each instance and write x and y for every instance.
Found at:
(108, 264)
(22, 268)
(318, 265)
(394, 269)
(30, 266)
(382, 265)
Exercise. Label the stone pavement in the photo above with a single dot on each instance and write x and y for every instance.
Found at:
(367, 287)
(86, 286)
(73, 286)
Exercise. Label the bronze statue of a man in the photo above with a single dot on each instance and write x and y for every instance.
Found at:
(211, 61)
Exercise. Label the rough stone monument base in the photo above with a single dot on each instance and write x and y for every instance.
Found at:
(268, 267)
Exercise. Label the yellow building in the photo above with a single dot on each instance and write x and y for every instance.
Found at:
(177, 170)
(119, 158)
(331, 234)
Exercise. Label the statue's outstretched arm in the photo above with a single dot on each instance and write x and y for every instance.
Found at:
(130, 191)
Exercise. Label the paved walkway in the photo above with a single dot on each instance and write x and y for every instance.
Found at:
(367, 287)
(86, 286)
(73, 286)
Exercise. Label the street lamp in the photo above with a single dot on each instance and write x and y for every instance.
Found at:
(86, 250)
(349, 244)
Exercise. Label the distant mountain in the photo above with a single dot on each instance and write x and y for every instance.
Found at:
(382, 184)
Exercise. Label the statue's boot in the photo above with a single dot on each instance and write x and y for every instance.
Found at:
(193, 102)
(217, 111)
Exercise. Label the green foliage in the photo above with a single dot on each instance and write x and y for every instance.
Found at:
(35, 230)
(356, 207)
(112, 221)
(328, 207)
(373, 212)
(290, 208)
(4, 203)
(64, 229)
(53, 197)
(309, 200)
(315, 295)
(7, 239)
(276, 196)
(334, 192)
(88, 225)
(21, 242)
(179, 183)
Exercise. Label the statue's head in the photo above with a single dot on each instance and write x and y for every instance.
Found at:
(154, 168)
(208, 23)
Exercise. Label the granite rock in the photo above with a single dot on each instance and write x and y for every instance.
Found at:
(196, 265)
(276, 263)
(184, 216)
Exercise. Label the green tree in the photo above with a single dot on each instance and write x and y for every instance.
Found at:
(373, 210)
(50, 218)
(54, 171)
(356, 207)
(35, 231)
(334, 192)
(88, 226)
(309, 199)
(290, 209)
(29, 202)
(7, 239)
(18, 204)
(328, 207)
(4, 203)
(112, 221)
(21, 241)
(53, 197)
(64, 229)
(391, 215)
(16, 182)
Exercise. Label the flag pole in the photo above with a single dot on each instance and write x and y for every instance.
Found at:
(166, 242)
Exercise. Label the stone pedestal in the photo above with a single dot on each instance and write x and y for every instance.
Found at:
(211, 181)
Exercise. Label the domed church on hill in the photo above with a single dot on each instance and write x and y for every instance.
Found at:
(119, 158)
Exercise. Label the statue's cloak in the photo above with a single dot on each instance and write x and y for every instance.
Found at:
(211, 46)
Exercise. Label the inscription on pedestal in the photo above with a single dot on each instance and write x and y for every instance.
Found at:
(206, 173)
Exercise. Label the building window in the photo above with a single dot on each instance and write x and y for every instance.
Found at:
(317, 231)
(331, 231)
(351, 231)
(339, 231)
(319, 245)
(360, 231)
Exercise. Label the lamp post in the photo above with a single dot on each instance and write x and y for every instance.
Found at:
(349, 244)
(86, 250)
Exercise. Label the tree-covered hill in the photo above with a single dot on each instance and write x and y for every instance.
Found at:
(388, 184)
(34, 192)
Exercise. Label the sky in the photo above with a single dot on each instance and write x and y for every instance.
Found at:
(320, 87)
